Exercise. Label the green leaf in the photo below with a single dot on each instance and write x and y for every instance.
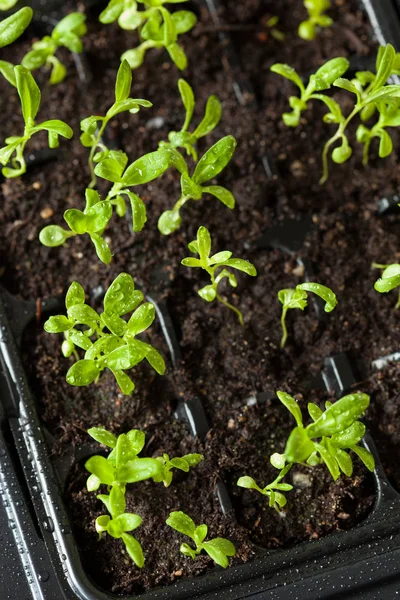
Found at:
(298, 446)
(179, 463)
(290, 403)
(74, 295)
(342, 153)
(92, 483)
(216, 550)
(344, 461)
(208, 293)
(345, 84)
(53, 236)
(123, 82)
(136, 440)
(72, 23)
(329, 460)
(102, 468)
(332, 70)
(241, 265)
(105, 499)
(186, 550)
(134, 549)
(103, 436)
(121, 297)
(177, 55)
(135, 57)
(112, 11)
(57, 324)
(191, 262)
(130, 19)
(141, 319)
(386, 60)
(390, 279)
(58, 72)
(182, 523)
(129, 521)
(289, 73)
(340, 415)
(117, 502)
(214, 160)
(249, 484)
(387, 92)
(193, 459)
(82, 373)
(203, 243)
(14, 25)
(188, 101)
(386, 144)
(124, 381)
(365, 456)
(109, 169)
(322, 291)
(184, 21)
(139, 470)
(115, 324)
(147, 168)
(155, 359)
(36, 58)
(81, 313)
(211, 118)
(76, 220)
(102, 249)
(29, 94)
(224, 195)
(125, 357)
(138, 208)
(200, 534)
(57, 127)
(7, 70)
(78, 338)
(350, 436)
(102, 522)
(169, 221)
(98, 216)
(314, 411)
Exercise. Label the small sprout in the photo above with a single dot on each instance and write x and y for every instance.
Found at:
(202, 247)
(30, 96)
(371, 92)
(183, 464)
(67, 33)
(157, 27)
(389, 280)
(219, 549)
(316, 18)
(275, 33)
(297, 298)
(185, 139)
(192, 188)
(120, 523)
(13, 26)
(115, 346)
(338, 429)
(273, 490)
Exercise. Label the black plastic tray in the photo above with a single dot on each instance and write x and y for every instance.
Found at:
(39, 558)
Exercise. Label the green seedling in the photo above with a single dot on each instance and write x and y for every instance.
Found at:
(192, 188)
(67, 33)
(275, 33)
(389, 280)
(219, 549)
(184, 138)
(13, 27)
(337, 429)
(30, 96)
(202, 247)
(157, 27)
(120, 524)
(115, 346)
(273, 490)
(126, 466)
(372, 94)
(316, 18)
(297, 298)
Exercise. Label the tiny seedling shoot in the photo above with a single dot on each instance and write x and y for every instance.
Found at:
(372, 96)
(156, 25)
(12, 155)
(389, 280)
(108, 340)
(13, 26)
(273, 490)
(308, 29)
(202, 247)
(297, 298)
(218, 549)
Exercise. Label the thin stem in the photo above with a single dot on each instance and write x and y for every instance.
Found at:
(284, 328)
(235, 310)
(93, 149)
(366, 152)
(398, 302)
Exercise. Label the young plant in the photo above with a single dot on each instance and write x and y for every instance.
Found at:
(120, 523)
(202, 247)
(273, 490)
(184, 138)
(115, 346)
(297, 298)
(67, 33)
(157, 27)
(372, 94)
(218, 549)
(13, 26)
(30, 96)
(389, 280)
(127, 467)
(337, 429)
(192, 188)
(316, 18)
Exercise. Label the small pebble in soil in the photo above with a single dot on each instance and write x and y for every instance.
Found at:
(47, 212)
(36, 185)
(155, 123)
(301, 480)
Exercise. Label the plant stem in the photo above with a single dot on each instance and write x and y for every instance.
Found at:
(235, 310)
(284, 329)
(339, 134)
(93, 149)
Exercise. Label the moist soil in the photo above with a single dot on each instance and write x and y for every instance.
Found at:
(224, 364)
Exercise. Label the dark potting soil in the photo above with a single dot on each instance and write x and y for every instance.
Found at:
(222, 362)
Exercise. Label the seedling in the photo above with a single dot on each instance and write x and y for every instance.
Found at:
(115, 346)
(30, 96)
(13, 26)
(157, 27)
(308, 29)
(389, 280)
(202, 247)
(192, 188)
(67, 33)
(124, 465)
(372, 94)
(273, 490)
(219, 549)
(185, 139)
(338, 429)
(120, 523)
(275, 33)
(297, 298)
